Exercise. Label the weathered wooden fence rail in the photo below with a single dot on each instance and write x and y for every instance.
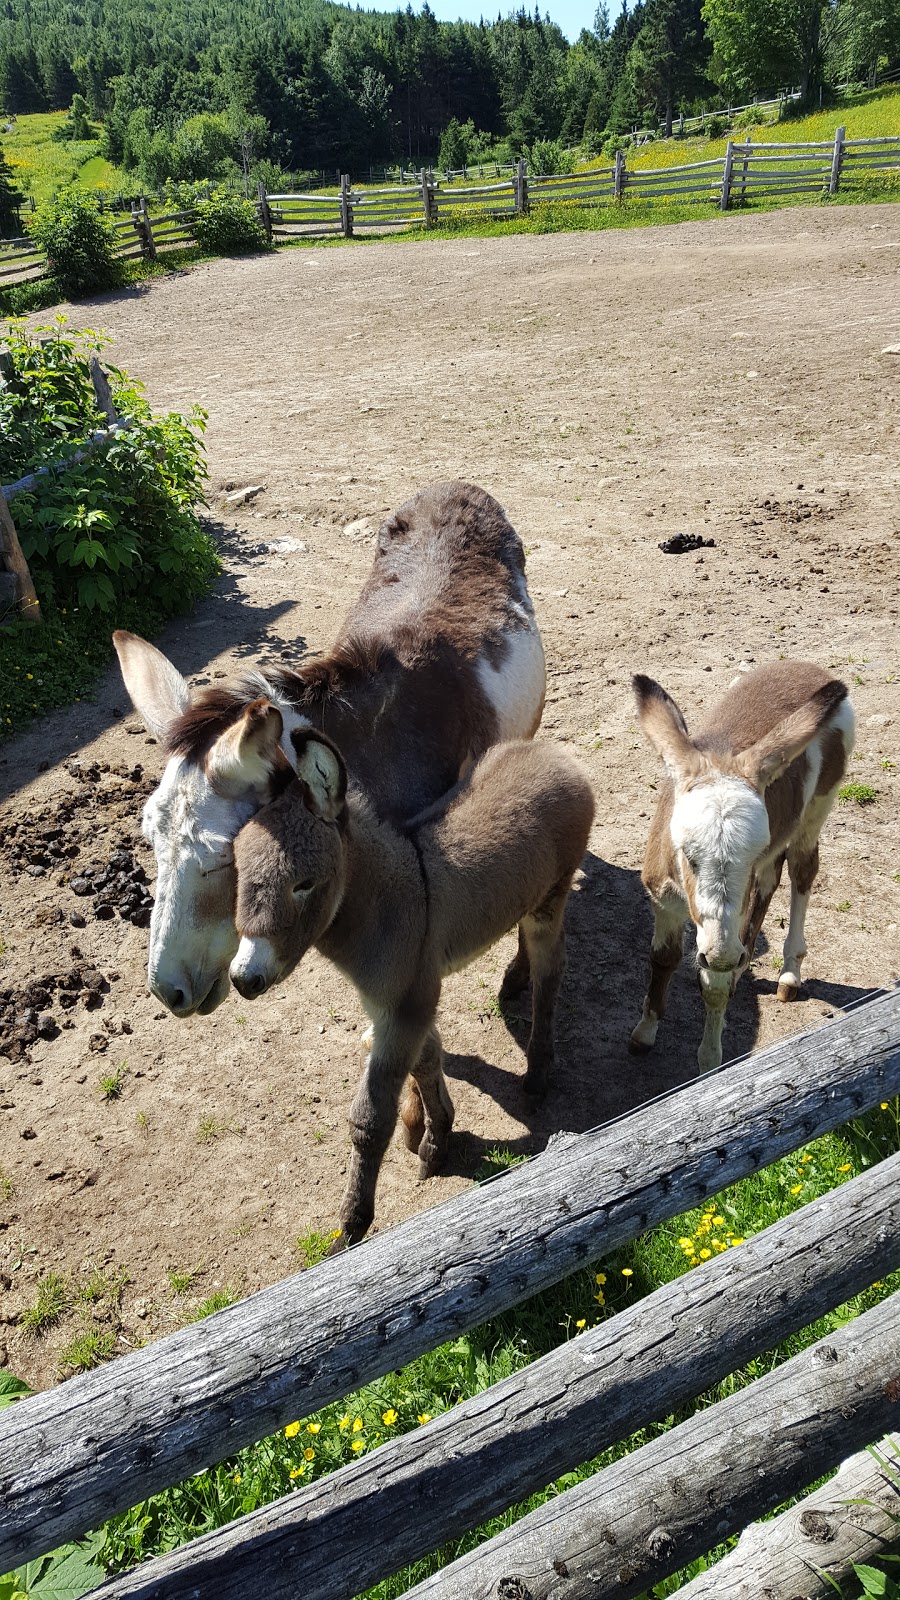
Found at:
(74, 1456)
(746, 172)
(352, 1529)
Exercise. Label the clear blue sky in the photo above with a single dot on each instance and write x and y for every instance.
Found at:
(570, 15)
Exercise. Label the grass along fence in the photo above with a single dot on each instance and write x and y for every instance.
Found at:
(745, 173)
(76, 1455)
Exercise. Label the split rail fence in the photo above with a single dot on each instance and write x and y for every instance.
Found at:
(75, 1455)
(746, 172)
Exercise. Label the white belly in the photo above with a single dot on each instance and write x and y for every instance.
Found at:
(516, 689)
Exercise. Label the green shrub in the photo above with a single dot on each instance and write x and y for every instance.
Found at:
(716, 127)
(79, 242)
(227, 225)
(547, 156)
(120, 524)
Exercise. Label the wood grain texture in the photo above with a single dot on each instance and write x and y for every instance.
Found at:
(351, 1529)
(642, 1518)
(794, 1556)
(74, 1456)
(14, 561)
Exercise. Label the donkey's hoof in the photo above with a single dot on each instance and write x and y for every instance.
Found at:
(638, 1047)
(431, 1160)
(339, 1244)
(787, 990)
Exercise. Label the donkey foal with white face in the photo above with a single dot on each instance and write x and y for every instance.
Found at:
(397, 908)
(750, 792)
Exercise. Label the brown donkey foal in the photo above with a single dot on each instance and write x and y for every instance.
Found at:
(749, 792)
(398, 907)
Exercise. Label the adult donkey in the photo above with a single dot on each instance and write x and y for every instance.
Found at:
(439, 658)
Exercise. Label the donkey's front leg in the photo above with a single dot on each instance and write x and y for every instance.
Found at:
(544, 940)
(397, 1043)
(669, 917)
(716, 989)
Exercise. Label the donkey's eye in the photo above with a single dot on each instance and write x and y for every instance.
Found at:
(304, 886)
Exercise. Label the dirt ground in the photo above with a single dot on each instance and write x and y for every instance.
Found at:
(721, 378)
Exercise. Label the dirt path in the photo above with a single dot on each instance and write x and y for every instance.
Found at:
(720, 378)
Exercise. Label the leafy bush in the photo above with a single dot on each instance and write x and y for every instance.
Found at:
(120, 524)
(227, 225)
(716, 127)
(78, 240)
(547, 156)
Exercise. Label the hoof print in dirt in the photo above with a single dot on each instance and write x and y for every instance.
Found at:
(681, 543)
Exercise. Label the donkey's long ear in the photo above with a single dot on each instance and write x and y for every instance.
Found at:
(320, 767)
(773, 753)
(157, 689)
(244, 755)
(664, 726)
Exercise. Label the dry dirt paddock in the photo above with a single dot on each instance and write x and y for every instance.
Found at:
(723, 378)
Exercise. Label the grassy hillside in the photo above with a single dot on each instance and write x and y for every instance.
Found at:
(42, 165)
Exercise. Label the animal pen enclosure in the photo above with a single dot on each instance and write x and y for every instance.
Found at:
(75, 1455)
(745, 173)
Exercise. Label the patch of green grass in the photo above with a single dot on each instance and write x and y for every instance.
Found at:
(112, 1083)
(103, 1285)
(6, 1185)
(499, 1159)
(210, 1128)
(214, 1302)
(843, 905)
(314, 1247)
(887, 765)
(52, 1300)
(180, 1282)
(86, 1350)
(862, 793)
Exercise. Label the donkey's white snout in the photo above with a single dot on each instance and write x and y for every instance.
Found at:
(254, 968)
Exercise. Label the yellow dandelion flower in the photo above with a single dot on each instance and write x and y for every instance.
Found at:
(600, 1278)
(627, 1272)
(581, 1323)
(885, 1106)
(738, 1241)
(344, 1423)
(357, 1424)
(292, 1429)
(30, 675)
(297, 1472)
(236, 1478)
(686, 1244)
(717, 1221)
(389, 1417)
(600, 1298)
(796, 1188)
(705, 1254)
(357, 1445)
(425, 1416)
(847, 1167)
(314, 1427)
(308, 1454)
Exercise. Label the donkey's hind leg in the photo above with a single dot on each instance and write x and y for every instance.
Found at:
(517, 976)
(542, 933)
(427, 1110)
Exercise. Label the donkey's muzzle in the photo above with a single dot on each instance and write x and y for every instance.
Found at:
(249, 984)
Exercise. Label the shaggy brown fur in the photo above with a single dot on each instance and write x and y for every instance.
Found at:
(397, 910)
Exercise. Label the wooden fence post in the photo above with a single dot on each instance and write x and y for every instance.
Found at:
(619, 175)
(14, 561)
(837, 161)
(147, 238)
(427, 199)
(346, 208)
(521, 188)
(262, 207)
(725, 201)
(745, 168)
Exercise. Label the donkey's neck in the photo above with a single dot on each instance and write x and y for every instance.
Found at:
(380, 925)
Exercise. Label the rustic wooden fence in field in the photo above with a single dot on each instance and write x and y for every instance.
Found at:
(747, 172)
(75, 1455)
